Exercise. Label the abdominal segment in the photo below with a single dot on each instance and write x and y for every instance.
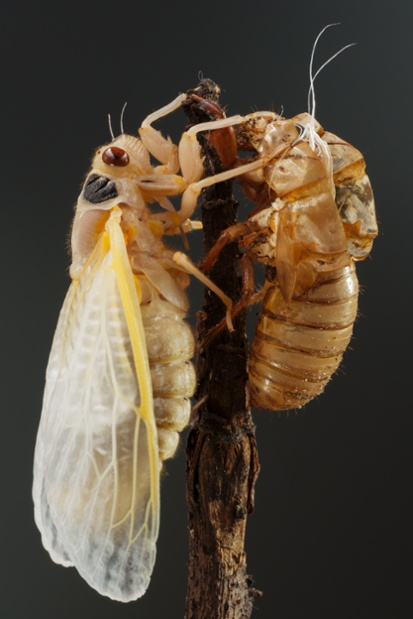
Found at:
(299, 343)
(170, 346)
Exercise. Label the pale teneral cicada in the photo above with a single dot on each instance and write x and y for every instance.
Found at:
(314, 216)
(119, 379)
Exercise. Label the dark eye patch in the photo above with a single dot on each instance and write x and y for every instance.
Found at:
(99, 189)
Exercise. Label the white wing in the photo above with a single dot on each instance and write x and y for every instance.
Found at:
(96, 470)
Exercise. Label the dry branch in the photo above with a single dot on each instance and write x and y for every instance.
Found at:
(222, 461)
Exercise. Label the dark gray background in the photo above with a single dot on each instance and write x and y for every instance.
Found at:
(331, 534)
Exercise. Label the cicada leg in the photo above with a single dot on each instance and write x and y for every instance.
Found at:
(248, 297)
(163, 149)
(188, 266)
(190, 195)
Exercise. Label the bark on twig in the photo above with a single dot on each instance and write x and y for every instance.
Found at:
(222, 461)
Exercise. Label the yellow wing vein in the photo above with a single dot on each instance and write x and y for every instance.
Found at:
(128, 287)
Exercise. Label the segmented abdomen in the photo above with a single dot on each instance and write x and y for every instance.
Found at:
(170, 346)
(299, 344)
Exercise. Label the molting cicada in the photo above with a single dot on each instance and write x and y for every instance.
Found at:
(119, 377)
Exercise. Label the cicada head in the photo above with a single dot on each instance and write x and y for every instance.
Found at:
(111, 179)
(124, 156)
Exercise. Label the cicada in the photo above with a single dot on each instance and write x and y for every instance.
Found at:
(314, 217)
(119, 377)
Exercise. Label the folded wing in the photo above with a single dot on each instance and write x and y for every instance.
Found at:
(96, 471)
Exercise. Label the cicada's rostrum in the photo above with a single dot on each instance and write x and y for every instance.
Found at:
(314, 217)
(119, 377)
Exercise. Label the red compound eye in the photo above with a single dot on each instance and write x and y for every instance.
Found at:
(115, 156)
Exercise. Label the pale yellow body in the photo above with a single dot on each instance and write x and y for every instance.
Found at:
(119, 378)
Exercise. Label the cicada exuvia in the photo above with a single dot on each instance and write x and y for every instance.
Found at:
(313, 217)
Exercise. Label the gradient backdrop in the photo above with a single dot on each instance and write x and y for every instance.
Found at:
(331, 535)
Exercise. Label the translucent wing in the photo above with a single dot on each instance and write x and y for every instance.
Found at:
(96, 470)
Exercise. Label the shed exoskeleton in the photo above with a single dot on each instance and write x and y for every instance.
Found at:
(314, 218)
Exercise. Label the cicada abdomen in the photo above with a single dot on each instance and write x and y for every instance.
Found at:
(299, 343)
(170, 346)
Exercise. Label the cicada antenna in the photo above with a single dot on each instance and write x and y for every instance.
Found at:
(110, 127)
(121, 122)
(121, 117)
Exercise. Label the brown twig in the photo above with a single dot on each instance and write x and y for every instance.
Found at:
(222, 460)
